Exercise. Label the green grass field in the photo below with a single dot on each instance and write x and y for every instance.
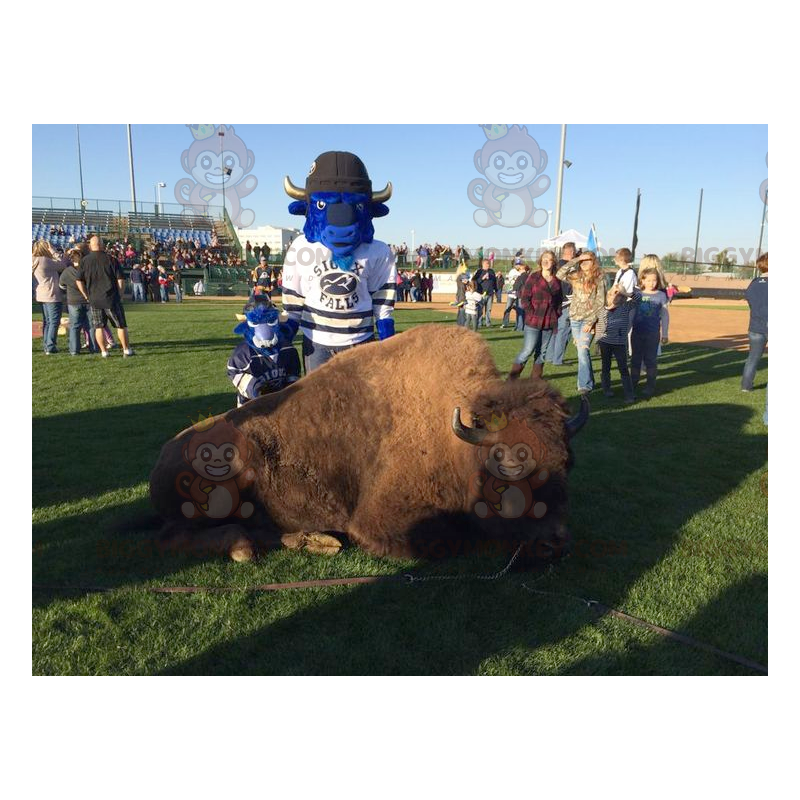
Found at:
(668, 511)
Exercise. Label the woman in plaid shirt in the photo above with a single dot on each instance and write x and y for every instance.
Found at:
(541, 304)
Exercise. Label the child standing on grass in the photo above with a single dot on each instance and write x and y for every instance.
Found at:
(650, 327)
(612, 335)
(472, 305)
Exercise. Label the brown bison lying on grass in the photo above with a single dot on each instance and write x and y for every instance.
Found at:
(373, 445)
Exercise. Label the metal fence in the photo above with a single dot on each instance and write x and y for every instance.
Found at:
(124, 207)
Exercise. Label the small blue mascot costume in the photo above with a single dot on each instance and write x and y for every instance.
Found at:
(338, 280)
(266, 361)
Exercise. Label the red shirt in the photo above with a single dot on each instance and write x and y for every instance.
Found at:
(541, 301)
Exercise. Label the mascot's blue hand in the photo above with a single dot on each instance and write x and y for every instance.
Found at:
(254, 389)
(385, 328)
(289, 328)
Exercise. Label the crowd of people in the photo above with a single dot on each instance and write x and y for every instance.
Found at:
(414, 286)
(91, 283)
(430, 256)
(561, 299)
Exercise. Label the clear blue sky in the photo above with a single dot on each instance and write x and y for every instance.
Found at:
(430, 167)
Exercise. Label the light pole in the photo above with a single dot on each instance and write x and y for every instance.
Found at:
(763, 220)
(697, 237)
(561, 163)
(549, 220)
(130, 162)
(80, 163)
(221, 134)
(413, 249)
(158, 187)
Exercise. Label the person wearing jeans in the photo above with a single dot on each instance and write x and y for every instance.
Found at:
(78, 308)
(588, 300)
(541, 302)
(486, 282)
(47, 270)
(756, 296)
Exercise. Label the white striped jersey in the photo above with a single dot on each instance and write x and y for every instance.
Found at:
(334, 307)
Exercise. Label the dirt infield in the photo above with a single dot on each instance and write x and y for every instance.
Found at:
(690, 321)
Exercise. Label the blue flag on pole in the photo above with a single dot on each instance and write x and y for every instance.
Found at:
(592, 243)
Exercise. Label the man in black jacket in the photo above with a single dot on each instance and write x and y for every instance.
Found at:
(486, 283)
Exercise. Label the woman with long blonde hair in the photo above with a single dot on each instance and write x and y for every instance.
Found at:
(588, 301)
(46, 269)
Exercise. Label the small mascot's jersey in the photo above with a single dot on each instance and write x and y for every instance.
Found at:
(254, 374)
(334, 307)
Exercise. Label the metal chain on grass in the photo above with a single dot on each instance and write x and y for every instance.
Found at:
(600, 608)
(497, 575)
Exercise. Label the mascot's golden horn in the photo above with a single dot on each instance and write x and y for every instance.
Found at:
(299, 194)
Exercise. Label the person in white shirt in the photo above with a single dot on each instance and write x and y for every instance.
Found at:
(472, 299)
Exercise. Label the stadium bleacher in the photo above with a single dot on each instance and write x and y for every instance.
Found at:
(80, 223)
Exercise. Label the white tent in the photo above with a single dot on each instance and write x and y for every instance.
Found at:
(568, 236)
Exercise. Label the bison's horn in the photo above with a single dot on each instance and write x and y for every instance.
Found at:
(471, 435)
(383, 195)
(574, 424)
(292, 190)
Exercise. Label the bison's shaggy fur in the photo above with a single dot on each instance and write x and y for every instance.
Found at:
(364, 446)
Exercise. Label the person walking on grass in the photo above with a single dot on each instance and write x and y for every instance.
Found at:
(650, 328)
(756, 296)
(100, 281)
(137, 283)
(47, 270)
(541, 303)
(560, 339)
(612, 335)
(588, 299)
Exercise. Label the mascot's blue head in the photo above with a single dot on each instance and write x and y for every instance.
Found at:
(338, 204)
(261, 326)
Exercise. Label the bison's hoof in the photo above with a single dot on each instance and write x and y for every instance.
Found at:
(246, 510)
(317, 543)
(242, 550)
(539, 510)
(481, 510)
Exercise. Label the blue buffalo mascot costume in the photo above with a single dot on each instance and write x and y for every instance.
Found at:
(338, 280)
(266, 361)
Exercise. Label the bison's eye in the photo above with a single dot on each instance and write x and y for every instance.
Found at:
(522, 162)
(498, 454)
(205, 454)
(321, 204)
(523, 454)
(229, 454)
(499, 162)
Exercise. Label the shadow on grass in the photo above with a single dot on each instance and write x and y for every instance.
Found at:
(746, 602)
(623, 524)
(87, 453)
